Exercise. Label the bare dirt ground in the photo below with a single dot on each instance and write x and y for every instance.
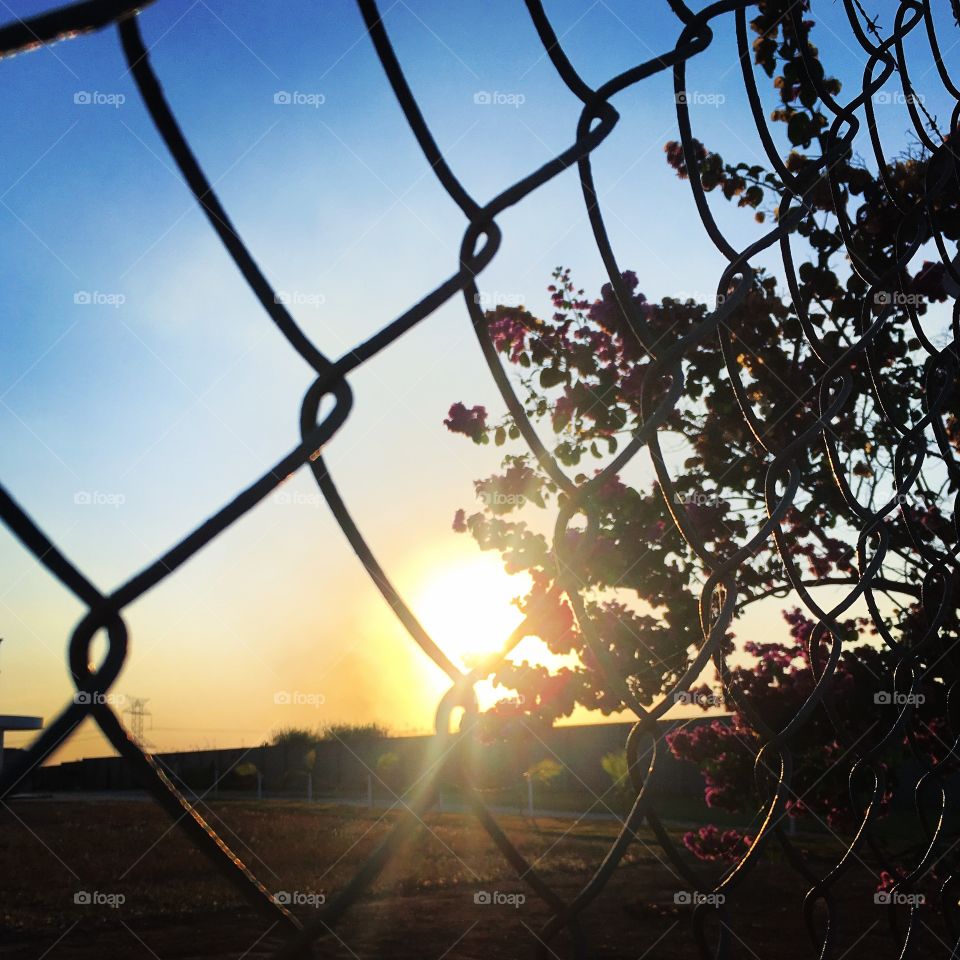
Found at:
(176, 906)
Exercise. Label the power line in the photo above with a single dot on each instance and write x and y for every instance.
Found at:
(137, 713)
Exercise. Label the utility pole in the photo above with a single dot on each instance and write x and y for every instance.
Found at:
(137, 714)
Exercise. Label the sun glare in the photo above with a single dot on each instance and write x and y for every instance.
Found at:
(467, 607)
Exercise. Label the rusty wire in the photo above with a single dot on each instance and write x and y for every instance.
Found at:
(936, 576)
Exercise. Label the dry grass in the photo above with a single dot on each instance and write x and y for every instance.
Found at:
(176, 905)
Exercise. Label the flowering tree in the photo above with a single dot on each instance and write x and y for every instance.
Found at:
(582, 373)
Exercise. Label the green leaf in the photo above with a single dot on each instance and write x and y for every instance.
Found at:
(551, 376)
(799, 130)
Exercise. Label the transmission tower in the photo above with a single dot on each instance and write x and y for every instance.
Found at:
(138, 714)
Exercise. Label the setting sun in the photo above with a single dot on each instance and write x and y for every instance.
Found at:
(467, 608)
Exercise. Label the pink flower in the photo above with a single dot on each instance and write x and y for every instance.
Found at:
(708, 843)
(887, 881)
(509, 334)
(472, 422)
(608, 313)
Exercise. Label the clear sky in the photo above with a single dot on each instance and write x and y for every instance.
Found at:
(138, 372)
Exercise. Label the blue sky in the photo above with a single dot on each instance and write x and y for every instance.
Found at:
(170, 390)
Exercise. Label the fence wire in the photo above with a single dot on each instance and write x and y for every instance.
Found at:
(936, 570)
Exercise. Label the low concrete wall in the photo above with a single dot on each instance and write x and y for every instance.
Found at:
(344, 767)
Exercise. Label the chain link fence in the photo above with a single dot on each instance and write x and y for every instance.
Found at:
(845, 366)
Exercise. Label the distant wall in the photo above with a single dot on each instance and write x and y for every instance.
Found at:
(343, 767)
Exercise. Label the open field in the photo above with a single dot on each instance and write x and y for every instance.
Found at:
(176, 906)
